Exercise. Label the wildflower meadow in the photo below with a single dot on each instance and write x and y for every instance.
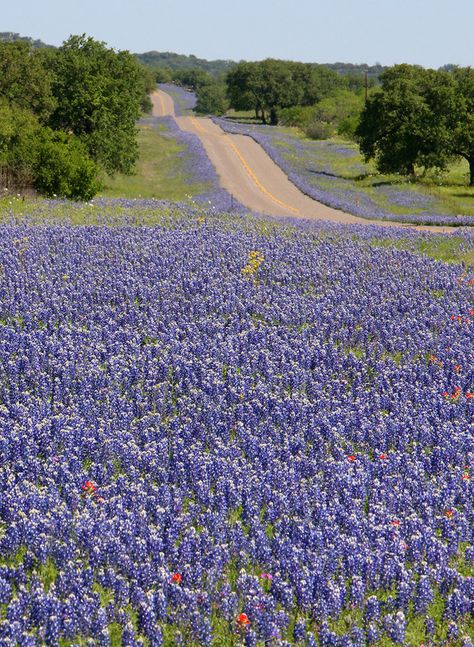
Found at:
(221, 429)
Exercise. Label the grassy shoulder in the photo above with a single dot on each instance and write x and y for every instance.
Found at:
(159, 172)
(339, 160)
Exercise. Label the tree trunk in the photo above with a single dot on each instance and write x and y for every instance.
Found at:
(471, 170)
(273, 116)
(410, 169)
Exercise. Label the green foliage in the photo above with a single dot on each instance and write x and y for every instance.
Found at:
(419, 117)
(297, 116)
(193, 78)
(341, 110)
(99, 93)
(24, 80)
(269, 86)
(170, 61)
(63, 168)
(211, 99)
(462, 122)
(19, 129)
(318, 130)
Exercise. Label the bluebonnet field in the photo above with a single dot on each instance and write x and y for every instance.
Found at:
(313, 166)
(229, 430)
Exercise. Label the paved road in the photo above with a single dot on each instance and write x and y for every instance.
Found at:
(251, 176)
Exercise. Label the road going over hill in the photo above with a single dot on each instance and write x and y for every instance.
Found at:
(250, 175)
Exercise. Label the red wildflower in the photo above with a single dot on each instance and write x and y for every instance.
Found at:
(176, 578)
(243, 620)
(383, 457)
(469, 395)
(466, 476)
(351, 458)
(448, 513)
(89, 487)
(395, 523)
(457, 368)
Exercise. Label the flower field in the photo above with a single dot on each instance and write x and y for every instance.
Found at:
(226, 430)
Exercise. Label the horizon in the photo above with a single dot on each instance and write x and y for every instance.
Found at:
(418, 32)
(222, 59)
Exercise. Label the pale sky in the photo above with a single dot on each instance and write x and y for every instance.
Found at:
(425, 32)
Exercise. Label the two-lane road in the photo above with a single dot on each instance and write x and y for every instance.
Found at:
(250, 175)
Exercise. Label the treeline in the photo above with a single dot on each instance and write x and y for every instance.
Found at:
(166, 63)
(411, 118)
(68, 115)
(310, 96)
(12, 37)
(419, 118)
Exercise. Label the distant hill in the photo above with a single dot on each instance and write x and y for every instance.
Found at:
(351, 69)
(182, 62)
(219, 67)
(11, 37)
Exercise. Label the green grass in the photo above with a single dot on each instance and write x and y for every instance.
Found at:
(159, 172)
(448, 249)
(448, 192)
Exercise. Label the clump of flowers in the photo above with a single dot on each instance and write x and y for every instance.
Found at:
(255, 259)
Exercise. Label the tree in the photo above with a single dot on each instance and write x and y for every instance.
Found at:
(405, 123)
(193, 78)
(211, 99)
(462, 117)
(99, 93)
(265, 87)
(341, 111)
(242, 84)
(19, 143)
(269, 86)
(24, 80)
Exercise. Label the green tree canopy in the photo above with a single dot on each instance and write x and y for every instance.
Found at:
(271, 85)
(211, 99)
(99, 93)
(24, 80)
(406, 122)
(462, 117)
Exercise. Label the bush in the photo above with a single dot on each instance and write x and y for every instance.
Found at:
(297, 116)
(318, 130)
(64, 168)
(348, 126)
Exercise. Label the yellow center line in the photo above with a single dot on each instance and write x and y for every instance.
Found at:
(199, 127)
(256, 180)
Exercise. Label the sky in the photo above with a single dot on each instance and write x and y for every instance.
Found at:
(430, 33)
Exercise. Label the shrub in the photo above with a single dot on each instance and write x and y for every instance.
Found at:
(64, 168)
(297, 116)
(318, 130)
